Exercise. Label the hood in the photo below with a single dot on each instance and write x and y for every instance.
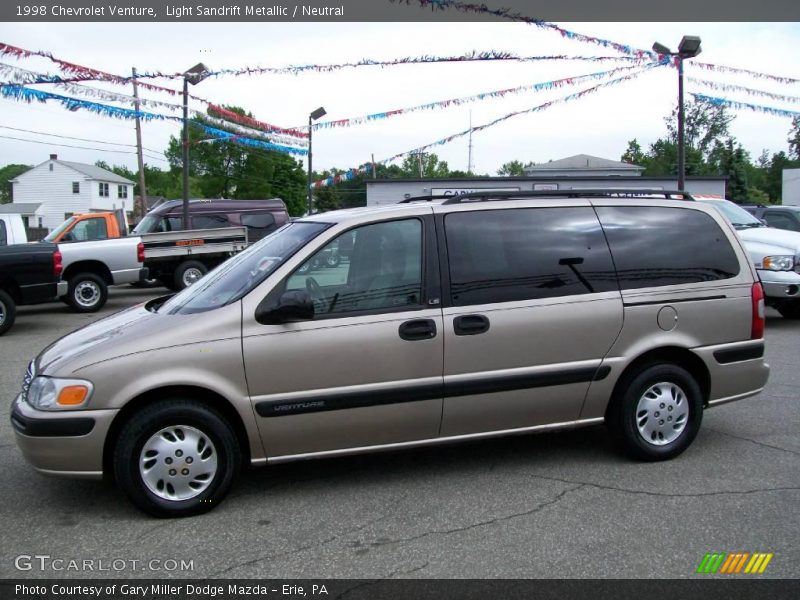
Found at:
(788, 240)
(132, 331)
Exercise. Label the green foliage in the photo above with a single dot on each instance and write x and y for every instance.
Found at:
(712, 150)
(424, 164)
(6, 173)
(230, 170)
(513, 168)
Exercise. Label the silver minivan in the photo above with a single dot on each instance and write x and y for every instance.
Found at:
(450, 319)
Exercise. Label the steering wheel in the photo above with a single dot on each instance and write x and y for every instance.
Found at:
(317, 295)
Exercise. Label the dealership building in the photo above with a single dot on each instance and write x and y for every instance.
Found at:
(573, 173)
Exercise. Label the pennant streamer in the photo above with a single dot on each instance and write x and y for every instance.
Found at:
(728, 87)
(536, 87)
(756, 74)
(505, 13)
(246, 141)
(229, 115)
(770, 110)
(367, 167)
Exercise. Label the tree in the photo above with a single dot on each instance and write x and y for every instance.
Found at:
(424, 164)
(6, 173)
(704, 124)
(221, 169)
(512, 168)
(794, 139)
(633, 155)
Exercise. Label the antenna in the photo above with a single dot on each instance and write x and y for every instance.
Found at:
(469, 158)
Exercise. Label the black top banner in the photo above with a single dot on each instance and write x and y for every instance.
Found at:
(331, 11)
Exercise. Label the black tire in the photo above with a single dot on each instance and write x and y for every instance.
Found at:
(87, 293)
(332, 260)
(790, 311)
(8, 312)
(177, 413)
(642, 386)
(187, 273)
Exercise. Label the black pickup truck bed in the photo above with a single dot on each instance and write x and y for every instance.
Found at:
(29, 274)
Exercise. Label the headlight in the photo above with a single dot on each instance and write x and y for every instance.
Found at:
(52, 393)
(778, 263)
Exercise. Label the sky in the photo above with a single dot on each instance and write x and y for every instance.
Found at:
(600, 124)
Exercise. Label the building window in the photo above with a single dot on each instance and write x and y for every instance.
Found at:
(76, 187)
(51, 166)
(122, 191)
(103, 190)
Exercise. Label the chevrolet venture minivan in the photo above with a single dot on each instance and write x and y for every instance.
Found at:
(453, 319)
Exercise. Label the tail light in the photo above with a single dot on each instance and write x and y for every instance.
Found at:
(58, 265)
(757, 296)
(140, 252)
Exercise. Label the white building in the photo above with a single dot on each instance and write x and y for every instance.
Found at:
(791, 187)
(53, 191)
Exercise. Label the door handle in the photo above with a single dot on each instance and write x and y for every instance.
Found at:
(470, 325)
(418, 329)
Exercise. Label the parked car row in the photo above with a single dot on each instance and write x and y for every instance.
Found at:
(95, 251)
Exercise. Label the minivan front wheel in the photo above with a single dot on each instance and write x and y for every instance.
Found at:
(176, 458)
(657, 412)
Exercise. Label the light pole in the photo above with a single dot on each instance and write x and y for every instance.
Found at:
(317, 114)
(688, 48)
(194, 76)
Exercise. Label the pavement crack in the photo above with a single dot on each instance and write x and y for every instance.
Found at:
(525, 513)
(665, 494)
(752, 441)
(309, 546)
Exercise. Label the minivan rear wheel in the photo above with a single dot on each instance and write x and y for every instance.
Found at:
(176, 458)
(657, 412)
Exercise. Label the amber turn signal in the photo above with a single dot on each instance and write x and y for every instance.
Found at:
(73, 395)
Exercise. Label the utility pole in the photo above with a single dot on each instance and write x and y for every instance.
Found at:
(469, 159)
(374, 167)
(142, 208)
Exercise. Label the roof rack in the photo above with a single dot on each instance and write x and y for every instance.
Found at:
(489, 195)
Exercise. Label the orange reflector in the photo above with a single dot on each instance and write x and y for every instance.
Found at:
(72, 395)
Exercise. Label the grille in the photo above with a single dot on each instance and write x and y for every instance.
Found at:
(26, 381)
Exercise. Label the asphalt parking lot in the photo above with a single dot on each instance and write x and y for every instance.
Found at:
(552, 505)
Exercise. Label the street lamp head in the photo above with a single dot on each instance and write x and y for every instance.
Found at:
(689, 46)
(197, 73)
(661, 49)
(317, 114)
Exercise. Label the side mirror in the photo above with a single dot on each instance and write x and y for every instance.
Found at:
(292, 306)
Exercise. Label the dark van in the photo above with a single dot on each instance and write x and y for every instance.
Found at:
(261, 217)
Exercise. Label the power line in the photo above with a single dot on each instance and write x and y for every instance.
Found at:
(8, 137)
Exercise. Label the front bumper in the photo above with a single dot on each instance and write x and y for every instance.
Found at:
(63, 443)
(780, 284)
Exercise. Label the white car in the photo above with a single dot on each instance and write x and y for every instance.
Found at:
(775, 254)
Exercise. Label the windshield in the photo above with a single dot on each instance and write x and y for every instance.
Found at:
(738, 216)
(58, 230)
(236, 277)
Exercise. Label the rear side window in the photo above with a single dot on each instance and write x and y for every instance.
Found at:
(258, 225)
(525, 254)
(781, 221)
(656, 246)
(210, 221)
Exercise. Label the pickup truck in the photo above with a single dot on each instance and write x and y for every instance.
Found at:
(88, 227)
(29, 274)
(90, 267)
(12, 230)
(775, 253)
(179, 258)
(778, 216)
